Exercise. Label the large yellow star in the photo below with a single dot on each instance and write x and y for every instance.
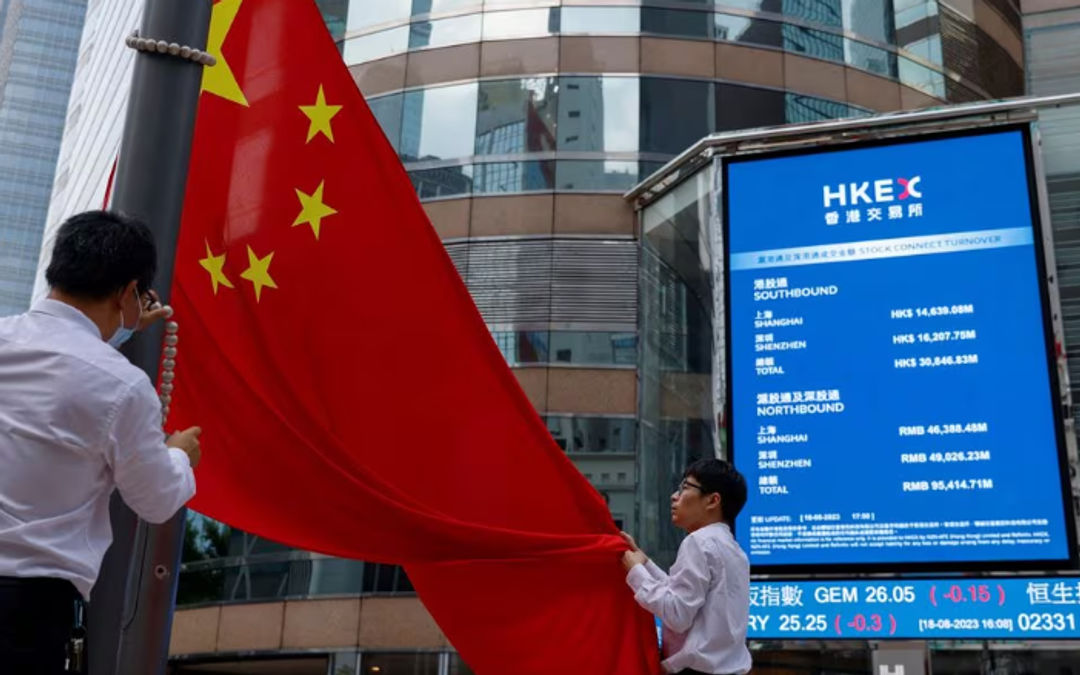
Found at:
(218, 79)
(215, 264)
(258, 272)
(313, 209)
(320, 115)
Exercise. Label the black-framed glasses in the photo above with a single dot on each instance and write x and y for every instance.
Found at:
(687, 484)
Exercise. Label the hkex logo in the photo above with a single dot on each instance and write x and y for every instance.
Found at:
(871, 192)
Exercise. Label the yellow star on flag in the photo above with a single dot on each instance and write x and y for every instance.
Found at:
(320, 115)
(215, 264)
(218, 79)
(258, 272)
(313, 209)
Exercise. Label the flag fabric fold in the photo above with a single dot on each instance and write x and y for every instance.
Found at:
(352, 399)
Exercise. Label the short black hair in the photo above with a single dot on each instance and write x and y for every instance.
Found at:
(718, 476)
(97, 253)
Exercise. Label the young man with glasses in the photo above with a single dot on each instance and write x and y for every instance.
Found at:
(704, 603)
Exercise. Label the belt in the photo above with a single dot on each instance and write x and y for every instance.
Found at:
(40, 584)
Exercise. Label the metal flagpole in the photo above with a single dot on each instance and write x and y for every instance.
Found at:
(131, 607)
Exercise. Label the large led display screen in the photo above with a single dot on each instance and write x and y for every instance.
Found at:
(996, 608)
(891, 383)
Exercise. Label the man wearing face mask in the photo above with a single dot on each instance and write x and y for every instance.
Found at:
(77, 420)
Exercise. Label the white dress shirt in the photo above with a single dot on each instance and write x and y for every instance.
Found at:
(77, 419)
(704, 604)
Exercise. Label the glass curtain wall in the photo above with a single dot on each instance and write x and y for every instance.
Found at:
(39, 44)
(677, 407)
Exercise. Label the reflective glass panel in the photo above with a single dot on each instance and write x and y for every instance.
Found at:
(676, 22)
(499, 4)
(580, 347)
(599, 113)
(871, 20)
(438, 123)
(568, 347)
(920, 77)
(750, 31)
(387, 112)
(495, 177)
(516, 116)
(383, 578)
(826, 12)
(775, 6)
(444, 32)
(420, 7)
(365, 14)
(592, 434)
(663, 101)
(801, 109)
(521, 24)
(442, 182)
(869, 58)
(519, 347)
(335, 14)
(377, 45)
(601, 20)
(739, 107)
(646, 169)
(909, 13)
(600, 175)
(816, 43)
(928, 48)
(334, 576)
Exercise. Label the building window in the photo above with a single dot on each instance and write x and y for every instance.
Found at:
(739, 107)
(665, 100)
(602, 114)
(445, 32)
(387, 112)
(364, 15)
(583, 434)
(601, 20)
(438, 123)
(676, 22)
(516, 116)
(567, 347)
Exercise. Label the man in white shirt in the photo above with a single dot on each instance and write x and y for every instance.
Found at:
(704, 604)
(78, 420)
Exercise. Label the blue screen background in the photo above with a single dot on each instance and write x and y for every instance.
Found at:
(968, 184)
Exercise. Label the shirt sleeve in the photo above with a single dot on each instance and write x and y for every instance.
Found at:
(675, 598)
(154, 480)
(654, 570)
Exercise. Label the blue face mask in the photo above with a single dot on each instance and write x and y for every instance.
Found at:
(123, 333)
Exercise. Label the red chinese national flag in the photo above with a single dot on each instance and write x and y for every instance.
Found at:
(351, 397)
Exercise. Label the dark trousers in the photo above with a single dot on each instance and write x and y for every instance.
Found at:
(36, 620)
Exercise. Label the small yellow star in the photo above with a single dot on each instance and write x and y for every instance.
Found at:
(320, 115)
(215, 264)
(219, 79)
(313, 209)
(258, 272)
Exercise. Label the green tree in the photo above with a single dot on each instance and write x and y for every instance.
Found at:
(204, 540)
